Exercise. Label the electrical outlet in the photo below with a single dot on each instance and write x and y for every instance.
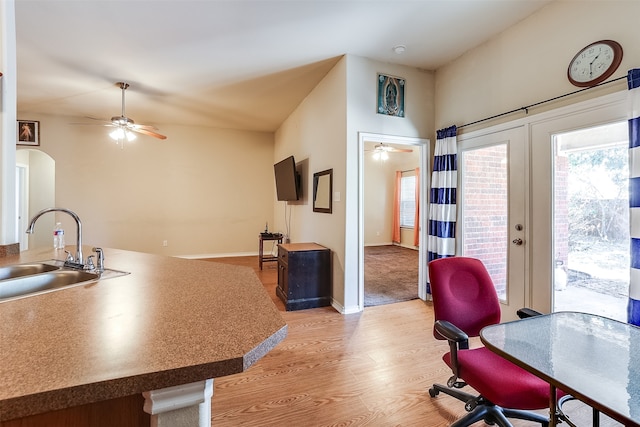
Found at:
(165, 243)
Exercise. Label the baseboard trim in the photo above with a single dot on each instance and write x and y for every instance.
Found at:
(415, 248)
(225, 255)
(392, 244)
(342, 310)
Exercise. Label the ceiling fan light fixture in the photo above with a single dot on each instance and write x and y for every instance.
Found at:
(119, 134)
(380, 155)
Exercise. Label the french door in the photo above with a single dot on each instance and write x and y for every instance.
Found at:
(492, 216)
(506, 198)
(591, 220)
(554, 137)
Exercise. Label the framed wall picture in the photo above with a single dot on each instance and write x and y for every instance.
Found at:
(28, 132)
(390, 95)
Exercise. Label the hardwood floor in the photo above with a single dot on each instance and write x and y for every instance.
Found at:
(367, 369)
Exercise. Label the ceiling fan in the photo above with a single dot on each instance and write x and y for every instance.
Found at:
(381, 150)
(124, 126)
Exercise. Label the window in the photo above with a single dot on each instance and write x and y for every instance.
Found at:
(591, 220)
(407, 199)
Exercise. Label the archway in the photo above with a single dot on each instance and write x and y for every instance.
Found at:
(36, 190)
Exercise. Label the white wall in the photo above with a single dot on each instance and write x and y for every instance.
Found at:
(363, 117)
(324, 131)
(528, 62)
(8, 135)
(315, 134)
(206, 191)
(379, 178)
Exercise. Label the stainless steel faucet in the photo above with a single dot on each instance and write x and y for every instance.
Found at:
(79, 260)
(100, 254)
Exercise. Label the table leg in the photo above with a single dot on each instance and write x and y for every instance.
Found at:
(553, 406)
(260, 252)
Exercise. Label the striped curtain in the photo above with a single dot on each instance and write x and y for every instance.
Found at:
(633, 309)
(442, 206)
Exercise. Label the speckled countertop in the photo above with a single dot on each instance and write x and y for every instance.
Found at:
(171, 321)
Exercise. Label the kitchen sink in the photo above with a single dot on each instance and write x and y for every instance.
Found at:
(22, 280)
(19, 270)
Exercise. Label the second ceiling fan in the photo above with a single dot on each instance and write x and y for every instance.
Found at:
(124, 125)
(381, 151)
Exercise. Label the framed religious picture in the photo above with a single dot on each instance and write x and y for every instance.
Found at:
(28, 132)
(390, 95)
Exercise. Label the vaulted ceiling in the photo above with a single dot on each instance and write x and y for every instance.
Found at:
(242, 64)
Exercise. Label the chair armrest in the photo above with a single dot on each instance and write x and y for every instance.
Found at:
(525, 312)
(458, 340)
(452, 333)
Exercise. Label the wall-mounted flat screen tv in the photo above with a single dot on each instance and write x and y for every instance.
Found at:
(287, 179)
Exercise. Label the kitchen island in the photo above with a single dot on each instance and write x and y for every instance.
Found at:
(157, 336)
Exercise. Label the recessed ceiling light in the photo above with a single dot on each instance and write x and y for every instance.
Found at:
(399, 49)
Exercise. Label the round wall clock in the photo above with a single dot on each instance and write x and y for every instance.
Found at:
(594, 63)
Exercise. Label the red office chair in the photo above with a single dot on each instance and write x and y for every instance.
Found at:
(464, 302)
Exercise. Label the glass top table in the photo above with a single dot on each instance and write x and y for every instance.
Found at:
(593, 358)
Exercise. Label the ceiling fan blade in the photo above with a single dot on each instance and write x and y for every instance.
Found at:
(90, 124)
(145, 127)
(147, 132)
(123, 122)
(382, 147)
(102, 122)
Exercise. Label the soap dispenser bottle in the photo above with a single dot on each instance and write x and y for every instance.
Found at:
(58, 236)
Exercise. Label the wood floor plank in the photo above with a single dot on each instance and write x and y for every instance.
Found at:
(366, 369)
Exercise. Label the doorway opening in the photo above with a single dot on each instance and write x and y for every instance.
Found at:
(590, 221)
(35, 190)
(390, 256)
(377, 186)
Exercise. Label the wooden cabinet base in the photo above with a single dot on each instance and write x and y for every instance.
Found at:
(304, 275)
(303, 303)
(122, 412)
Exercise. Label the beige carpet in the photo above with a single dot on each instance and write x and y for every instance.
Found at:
(390, 274)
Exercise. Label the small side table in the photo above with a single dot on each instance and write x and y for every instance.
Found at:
(263, 237)
(304, 276)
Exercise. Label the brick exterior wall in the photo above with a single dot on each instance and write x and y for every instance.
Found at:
(485, 210)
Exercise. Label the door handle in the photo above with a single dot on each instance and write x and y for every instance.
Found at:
(518, 242)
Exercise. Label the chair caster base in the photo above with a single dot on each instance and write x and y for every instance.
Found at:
(479, 409)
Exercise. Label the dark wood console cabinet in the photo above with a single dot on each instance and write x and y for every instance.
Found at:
(304, 275)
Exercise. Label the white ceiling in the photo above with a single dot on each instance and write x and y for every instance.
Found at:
(243, 64)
